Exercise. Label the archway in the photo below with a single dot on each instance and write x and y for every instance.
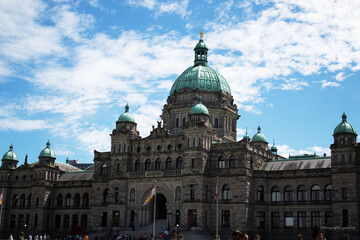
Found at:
(161, 212)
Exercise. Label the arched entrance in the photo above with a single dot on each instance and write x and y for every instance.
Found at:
(161, 212)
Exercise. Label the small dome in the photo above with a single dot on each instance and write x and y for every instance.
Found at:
(246, 135)
(344, 126)
(273, 147)
(10, 155)
(259, 137)
(47, 152)
(126, 116)
(199, 108)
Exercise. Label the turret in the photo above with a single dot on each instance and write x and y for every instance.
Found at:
(10, 159)
(259, 139)
(47, 156)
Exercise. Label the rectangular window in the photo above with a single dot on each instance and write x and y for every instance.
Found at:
(344, 193)
(21, 220)
(66, 221)
(315, 219)
(226, 218)
(345, 217)
(116, 197)
(350, 158)
(301, 219)
(12, 221)
(75, 220)
(275, 220)
(37, 202)
(103, 219)
(118, 167)
(192, 163)
(192, 192)
(329, 219)
(57, 221)
(36, 220)
(260, 220)
(84, 219)
(289, 219)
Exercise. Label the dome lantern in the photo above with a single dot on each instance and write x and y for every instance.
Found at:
(344, 126)
(201, 52)
(259, 137)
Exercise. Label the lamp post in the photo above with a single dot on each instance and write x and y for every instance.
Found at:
(168, 220)
(177, 225)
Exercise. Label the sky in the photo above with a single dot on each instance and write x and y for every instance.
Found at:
(68, 68)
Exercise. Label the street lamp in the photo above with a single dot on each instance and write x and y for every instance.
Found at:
(177, 225)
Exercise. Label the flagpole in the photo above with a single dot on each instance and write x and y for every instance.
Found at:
(154, 216)
(217, 207)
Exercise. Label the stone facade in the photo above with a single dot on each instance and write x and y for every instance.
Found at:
(186, 156)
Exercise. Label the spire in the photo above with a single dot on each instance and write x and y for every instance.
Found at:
(246, 135)
(48, 144)
(11, 147)
(259, 129)
(127, 107)
(274, 148)
(201, 52)
(26, 162)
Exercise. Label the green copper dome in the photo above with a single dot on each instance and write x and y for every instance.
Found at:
(126, 116)
(199, 108)
(10, 155)
(200, 76)
(259, 137)
(273, 147)
(47, 152)
(344, 126)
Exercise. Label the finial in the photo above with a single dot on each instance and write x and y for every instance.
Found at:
(259, 129)
(246, 130)
(344, 116)
(127, 107)
(201, 34)
(273, 141)
(26, 157)
(199, 99)
(11, 147)
(48, 144)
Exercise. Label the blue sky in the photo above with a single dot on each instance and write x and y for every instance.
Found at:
(67, 68)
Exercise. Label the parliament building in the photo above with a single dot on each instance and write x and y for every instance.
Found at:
(186, 155)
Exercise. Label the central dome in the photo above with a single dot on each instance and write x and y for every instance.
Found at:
(200, 76)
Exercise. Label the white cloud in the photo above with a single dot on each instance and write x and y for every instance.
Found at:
(326, 84)
(285, 151)
(20, 125)
(179, 7)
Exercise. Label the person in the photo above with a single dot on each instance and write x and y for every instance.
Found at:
(30, 237)
(11, 237)
(318, 234)
(237, 235)
(257, 237)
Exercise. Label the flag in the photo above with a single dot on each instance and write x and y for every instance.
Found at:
(1, 197)
(215, 193)
(151, 194)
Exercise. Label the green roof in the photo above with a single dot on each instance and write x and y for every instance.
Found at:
(344, 126)
(47, 152)
(200, 76)
(126, 116)
(246, 135)
(10, 155)
(259, 137)
(199, 108)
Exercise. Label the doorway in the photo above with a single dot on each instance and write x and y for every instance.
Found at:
(192, 213)
(161, 212)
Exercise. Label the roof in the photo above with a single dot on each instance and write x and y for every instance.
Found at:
(62, 166)
(76, 176)
(10, 155)
(298, 164)
(126, 116)
(344, 126)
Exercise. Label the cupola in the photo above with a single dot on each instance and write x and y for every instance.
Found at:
(344, 126)
(126, 116)
(199, 108)
(259, 137)
(246, 136)
(274, 149)
(47, 152)
(9, 159)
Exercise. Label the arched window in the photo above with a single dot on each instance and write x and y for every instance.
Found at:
(275, 194)
(137, 165)
(103, 169)
(15, 200)
(226, 192)
(221, 162)
(147, 164)
(179, 163)
(184, 121)
(105, 195)
(260, 194)
(77, 200)
(301, 193)
(67, 200)
(22, 200)
(59, 201)
(168, 163)
(132, 195)
(288, 194)
(177, 193)
(232, 162)
(315, 193)
(85, 200)
(216, 123)
(158, 164)
(328, 192)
